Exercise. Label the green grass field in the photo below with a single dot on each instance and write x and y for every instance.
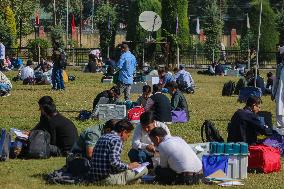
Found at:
(20, 110)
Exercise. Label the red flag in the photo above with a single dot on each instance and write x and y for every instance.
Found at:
(73, 25)
(37, 18)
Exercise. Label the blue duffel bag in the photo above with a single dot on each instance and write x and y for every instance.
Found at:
(247, 92)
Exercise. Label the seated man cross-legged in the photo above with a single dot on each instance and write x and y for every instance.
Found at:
(178, 162)
(106, 165)
(142, 147)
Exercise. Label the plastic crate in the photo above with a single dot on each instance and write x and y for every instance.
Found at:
(239, 148)
(111, 111)
(137, 87)
(237, 166)
(107, 80)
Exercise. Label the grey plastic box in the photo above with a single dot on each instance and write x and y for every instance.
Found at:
(111, 111)
(137, 87)
(237, 166)
(107, 80)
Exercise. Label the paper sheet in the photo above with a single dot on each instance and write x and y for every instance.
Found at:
(231, 183)
(141, 168)
(19, 133)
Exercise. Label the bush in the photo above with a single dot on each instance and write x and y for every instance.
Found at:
(33, 44)
(11, 24)
(56, 34)
(5, 36)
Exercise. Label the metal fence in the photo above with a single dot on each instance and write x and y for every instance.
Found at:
(193, 58)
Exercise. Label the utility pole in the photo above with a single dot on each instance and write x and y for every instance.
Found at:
(67, 21)
(258, 39)
(81, 20)
(93, 11)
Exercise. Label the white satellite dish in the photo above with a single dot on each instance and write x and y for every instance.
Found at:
(150, 21)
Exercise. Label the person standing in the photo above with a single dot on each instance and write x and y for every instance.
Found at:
(2, 55)
(127, 65)
(59, 63)
(278, 90)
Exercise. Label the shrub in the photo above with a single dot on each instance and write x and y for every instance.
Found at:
(33, 44)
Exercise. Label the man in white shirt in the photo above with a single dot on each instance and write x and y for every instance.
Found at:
(2, 55)
(178, 162)
(142, 147)
(28, 71)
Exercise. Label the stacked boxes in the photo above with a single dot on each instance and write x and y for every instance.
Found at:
(238, 157)
(111, 111)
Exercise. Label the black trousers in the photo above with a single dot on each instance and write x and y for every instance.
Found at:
(169, 177)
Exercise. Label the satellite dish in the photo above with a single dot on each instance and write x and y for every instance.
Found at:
(150, 21)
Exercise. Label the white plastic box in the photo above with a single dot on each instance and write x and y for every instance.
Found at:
(237, 166)
(137, 87)
(232, 73)
(111, 111)
(151, 80)
(200, 149)
(107, 80)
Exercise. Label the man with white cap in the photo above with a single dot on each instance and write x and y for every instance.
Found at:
(278, 91)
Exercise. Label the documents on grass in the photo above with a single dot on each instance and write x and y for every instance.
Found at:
(141, 168)
(231, 183)
(19, 133)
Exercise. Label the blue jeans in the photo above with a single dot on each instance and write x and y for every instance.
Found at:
(139, 156)
(57, 79)
(4, 88)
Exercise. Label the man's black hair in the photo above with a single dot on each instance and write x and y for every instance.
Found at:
(157, 88)
(45, 100)
(147, 117)
(253, 100)
(49, 109)
(146, 89)
(123, 125)
(116, 90)
(110, 124)
(269, 74)
(158, 132)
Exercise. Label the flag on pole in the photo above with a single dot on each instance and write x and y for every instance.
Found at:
(248, 24)
(73, 29)
(177, 25)
(197, 26)
(37, 18)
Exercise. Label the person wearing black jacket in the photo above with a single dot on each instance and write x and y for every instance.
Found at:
(63, 133)
(112, 94)
(245, 124)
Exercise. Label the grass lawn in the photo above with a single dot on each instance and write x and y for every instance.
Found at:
(20, 110)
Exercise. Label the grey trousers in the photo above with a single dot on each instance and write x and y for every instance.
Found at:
(123, 178)
(125, 89)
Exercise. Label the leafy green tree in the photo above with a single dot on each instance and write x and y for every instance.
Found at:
(56, 35)
(269, 35)
(106, 21)
(280, 25)
(11, 24)
(213, 27)
(135, 32)
(33, 44)
(171, 10)
(5, 36)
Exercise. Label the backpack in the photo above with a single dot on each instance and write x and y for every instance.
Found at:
(5, 142)
(228, 88)
(212, 134)
(38, 144)
(135, 113)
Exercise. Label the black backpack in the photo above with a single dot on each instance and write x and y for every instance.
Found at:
(211, 133)
(38, 144)
(228, 88)
(5, 142)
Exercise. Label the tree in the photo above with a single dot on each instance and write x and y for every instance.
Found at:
(269, 35)
(106, 21)
(135, 32)
(212, 25)
(57, 36)
(5, 36)
(280, 25)
(173, 10)
(10, 23)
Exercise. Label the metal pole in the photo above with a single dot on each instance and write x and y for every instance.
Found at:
(213, 58)
(21, 23)
(258, 39)
(67, 21)
(177, 56)
(38, 54)
(248, 50)
(93, 10)
(143, 55)
(54, 12)
(81, 25)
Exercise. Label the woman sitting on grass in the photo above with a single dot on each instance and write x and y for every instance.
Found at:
(142, 100)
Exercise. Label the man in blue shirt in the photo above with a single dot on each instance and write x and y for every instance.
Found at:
(184, 80)
(165, 78)
(127, 65)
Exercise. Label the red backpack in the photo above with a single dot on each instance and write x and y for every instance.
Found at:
(264, 158)
(135, 113)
